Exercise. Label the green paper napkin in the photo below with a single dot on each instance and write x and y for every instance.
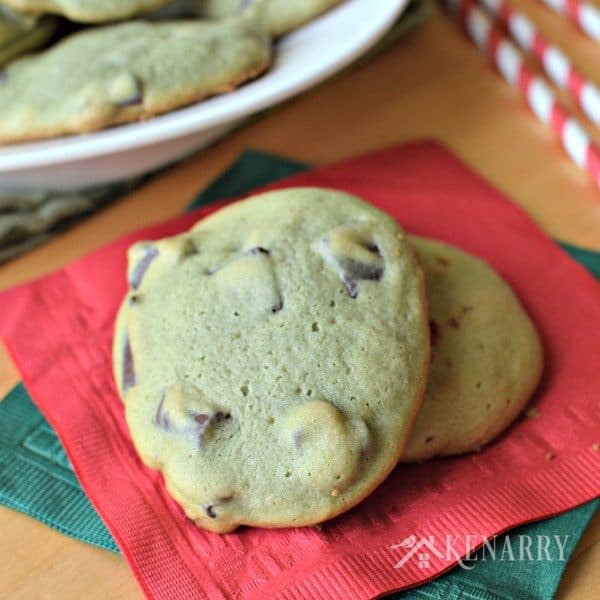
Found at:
(36, 477)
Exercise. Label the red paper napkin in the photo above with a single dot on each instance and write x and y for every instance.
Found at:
(59, 331)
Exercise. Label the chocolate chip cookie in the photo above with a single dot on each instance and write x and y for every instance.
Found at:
(126, 72)
(278, 17)
(87, 11)
(272, 359)
(486, 354)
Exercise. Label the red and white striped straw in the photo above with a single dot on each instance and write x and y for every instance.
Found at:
(511, 64)
(555, 62)
(584, 14)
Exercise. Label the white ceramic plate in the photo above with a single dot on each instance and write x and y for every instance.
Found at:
(302, 59)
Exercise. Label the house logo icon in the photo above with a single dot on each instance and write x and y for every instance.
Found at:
(422, 548)
(467, 549)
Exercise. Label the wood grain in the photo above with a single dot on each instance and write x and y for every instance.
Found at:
(430, 84)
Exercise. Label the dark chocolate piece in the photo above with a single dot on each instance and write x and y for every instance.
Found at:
(137, 98)
(354, 269)
(197, 423)
(138, 272)
(257, 250)
(351, 287)
(161, 418)
(350, 270)
(129, 379)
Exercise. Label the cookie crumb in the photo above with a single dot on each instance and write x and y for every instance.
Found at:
(532, 413)
(318, 527)
(453, 322)
(335, 492)
(549, 456)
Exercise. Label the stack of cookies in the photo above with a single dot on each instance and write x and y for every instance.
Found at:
(277, 361)
(118, 61)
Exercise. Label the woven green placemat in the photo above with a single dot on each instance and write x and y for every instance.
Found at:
(36, 478)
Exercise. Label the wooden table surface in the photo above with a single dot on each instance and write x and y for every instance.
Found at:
(430, 84)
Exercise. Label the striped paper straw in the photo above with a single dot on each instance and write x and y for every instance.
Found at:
(511, 64)
(555, 62)
(584, 14)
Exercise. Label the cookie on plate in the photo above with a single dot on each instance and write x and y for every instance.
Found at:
(486, 354)
(22, 33)
(278, 17)
(126, 72)
(272, 360)
(87, 11)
